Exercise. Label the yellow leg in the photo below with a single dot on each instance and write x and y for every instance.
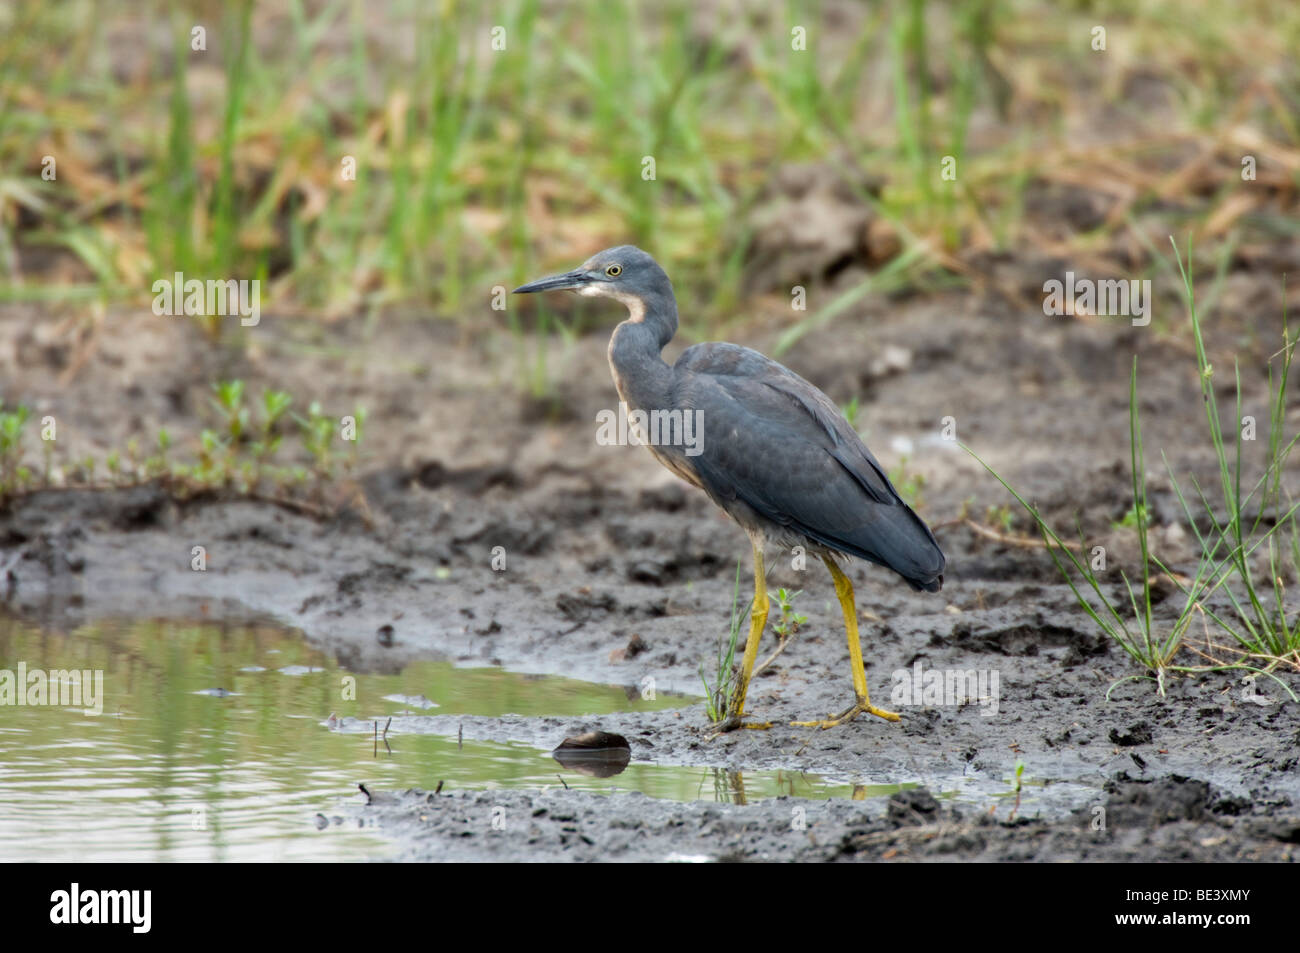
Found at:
(844, 591)
(757, 619)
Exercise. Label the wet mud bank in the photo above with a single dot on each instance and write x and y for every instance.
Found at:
(1170, 819)
(614, 572)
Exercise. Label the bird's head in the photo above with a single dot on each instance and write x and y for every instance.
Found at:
(625, 273)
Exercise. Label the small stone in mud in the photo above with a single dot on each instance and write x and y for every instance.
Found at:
(593, 741)
(385, 636)
(635, 646)
(647, 571)
(1136, 734)
(598, 754)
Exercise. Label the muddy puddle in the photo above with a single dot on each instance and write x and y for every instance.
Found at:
(203, 741)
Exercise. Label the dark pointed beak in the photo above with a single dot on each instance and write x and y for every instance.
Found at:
(568, 280)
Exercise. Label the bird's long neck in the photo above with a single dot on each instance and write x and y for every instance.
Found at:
(640, 374)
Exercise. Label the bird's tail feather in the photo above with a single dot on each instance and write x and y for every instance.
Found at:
(898, 539)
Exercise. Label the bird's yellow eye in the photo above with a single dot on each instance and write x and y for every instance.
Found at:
(614, 270)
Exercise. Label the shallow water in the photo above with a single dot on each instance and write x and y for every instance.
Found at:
(212, 743)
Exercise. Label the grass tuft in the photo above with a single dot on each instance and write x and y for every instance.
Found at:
(1251, 607)
(726, 680)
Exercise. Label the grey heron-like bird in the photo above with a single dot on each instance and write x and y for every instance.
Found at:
(776, 453)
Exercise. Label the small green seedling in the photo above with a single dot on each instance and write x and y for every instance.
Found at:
(909, 485)
(790, 620)
(1020, 771)
(850, 412)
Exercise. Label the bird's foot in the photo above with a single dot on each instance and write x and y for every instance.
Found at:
(862, 707)
(735, 722)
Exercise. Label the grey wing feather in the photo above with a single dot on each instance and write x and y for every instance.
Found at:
(780, 446)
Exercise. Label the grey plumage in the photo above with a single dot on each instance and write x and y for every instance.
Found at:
(775, 453)
(778, 455)
(778, 449)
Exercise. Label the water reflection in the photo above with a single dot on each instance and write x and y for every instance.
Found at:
(175, 770)
(210, 745)
(597, 754)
